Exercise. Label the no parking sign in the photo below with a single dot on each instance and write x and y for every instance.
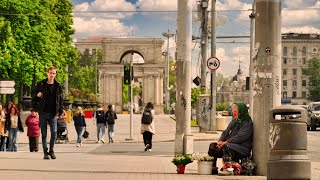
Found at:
(213, 63)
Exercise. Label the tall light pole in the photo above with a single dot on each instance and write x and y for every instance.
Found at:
(168, 35)
(213, 73)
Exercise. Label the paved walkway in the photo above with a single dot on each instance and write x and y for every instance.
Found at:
(165, 130)
(92, 161)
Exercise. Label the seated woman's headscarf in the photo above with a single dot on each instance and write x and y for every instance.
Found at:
(243, 113)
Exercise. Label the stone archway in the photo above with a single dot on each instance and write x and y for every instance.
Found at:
(115, 50)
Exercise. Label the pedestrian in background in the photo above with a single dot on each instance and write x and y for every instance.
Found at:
(100, 120)
(6, 111)
(33, 132)
(14, 126)
(47, 101)
(3, 130)
(79, 124)
(147, 126)
(111, 116)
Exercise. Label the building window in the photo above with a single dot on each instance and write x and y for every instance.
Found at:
(284, 72)
(284, 83)
(304, 51)
(94, 51)
(304, 94)
(304, 82)
(294, 52)
(304, 60)
(294, 61)
(284, 95)
(285, 51)
(284, 60)
(294, 94)
(86, 51)
(294, 71)
(294, 82)
(314, 50)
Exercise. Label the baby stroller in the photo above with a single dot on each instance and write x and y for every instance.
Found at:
(62, 131)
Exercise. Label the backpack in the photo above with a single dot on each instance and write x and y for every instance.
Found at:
(100, 116)
(146, 117)
(110, 117)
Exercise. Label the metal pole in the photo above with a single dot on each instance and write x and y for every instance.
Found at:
(212, 124)
(96, 74)
(204, 43)
(252, 21)
(131, 99)
(184, 139)
(167, 92)
(167, 78)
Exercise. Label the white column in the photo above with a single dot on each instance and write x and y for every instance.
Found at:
(184, 140)
(156, 89)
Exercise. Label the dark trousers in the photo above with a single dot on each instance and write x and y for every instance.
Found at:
(51, 119)
(3, 141)
(223, 152)
(33, 144)
(147, 138)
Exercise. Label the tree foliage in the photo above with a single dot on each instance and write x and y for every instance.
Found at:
(313, 71)
(82, 75)
(35, 34)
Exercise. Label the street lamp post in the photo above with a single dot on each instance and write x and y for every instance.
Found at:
(167, 35)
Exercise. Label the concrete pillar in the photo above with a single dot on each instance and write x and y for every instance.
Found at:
(267, 76)
(184, 139)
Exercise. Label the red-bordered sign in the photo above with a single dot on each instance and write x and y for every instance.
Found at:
(213, 63)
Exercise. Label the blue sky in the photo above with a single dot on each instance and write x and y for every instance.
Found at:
(300, 16)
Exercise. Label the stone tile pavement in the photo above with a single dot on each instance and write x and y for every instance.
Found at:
(82, 163)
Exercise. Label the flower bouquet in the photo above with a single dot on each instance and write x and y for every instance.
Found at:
(248, 166)
(181, 162)
(201, 157)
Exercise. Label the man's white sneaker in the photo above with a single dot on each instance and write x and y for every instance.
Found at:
(102, 140)
(149, 150)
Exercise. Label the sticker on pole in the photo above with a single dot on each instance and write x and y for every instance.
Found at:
(213, 63)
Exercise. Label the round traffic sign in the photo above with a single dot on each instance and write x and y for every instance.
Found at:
(213, 63)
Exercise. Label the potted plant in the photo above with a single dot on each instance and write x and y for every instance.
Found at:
(181, 162)
(205, 163)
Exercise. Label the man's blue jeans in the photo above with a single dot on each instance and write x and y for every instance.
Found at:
(51, 119)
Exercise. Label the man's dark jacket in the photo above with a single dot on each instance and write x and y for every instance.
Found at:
(38, 103)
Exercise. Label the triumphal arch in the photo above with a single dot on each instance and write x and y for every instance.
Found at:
(117, 52)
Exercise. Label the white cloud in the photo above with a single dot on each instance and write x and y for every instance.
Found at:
(157, 5)
(98, 26)
(302, 29)
(106, 5)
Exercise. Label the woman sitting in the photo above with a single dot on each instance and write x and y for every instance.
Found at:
(235, 142)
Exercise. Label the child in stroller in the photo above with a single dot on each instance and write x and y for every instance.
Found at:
(62, 131)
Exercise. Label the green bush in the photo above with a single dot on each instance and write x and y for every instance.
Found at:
(222, 107)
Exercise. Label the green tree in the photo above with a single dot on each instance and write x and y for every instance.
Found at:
(195, 93)
(83, 73)
(221, 80)
(172, 80)
(38, 33)
(313, 71)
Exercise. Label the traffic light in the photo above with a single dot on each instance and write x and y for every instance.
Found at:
(127, 72)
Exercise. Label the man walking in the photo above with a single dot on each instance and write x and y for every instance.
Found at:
(47, 100)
